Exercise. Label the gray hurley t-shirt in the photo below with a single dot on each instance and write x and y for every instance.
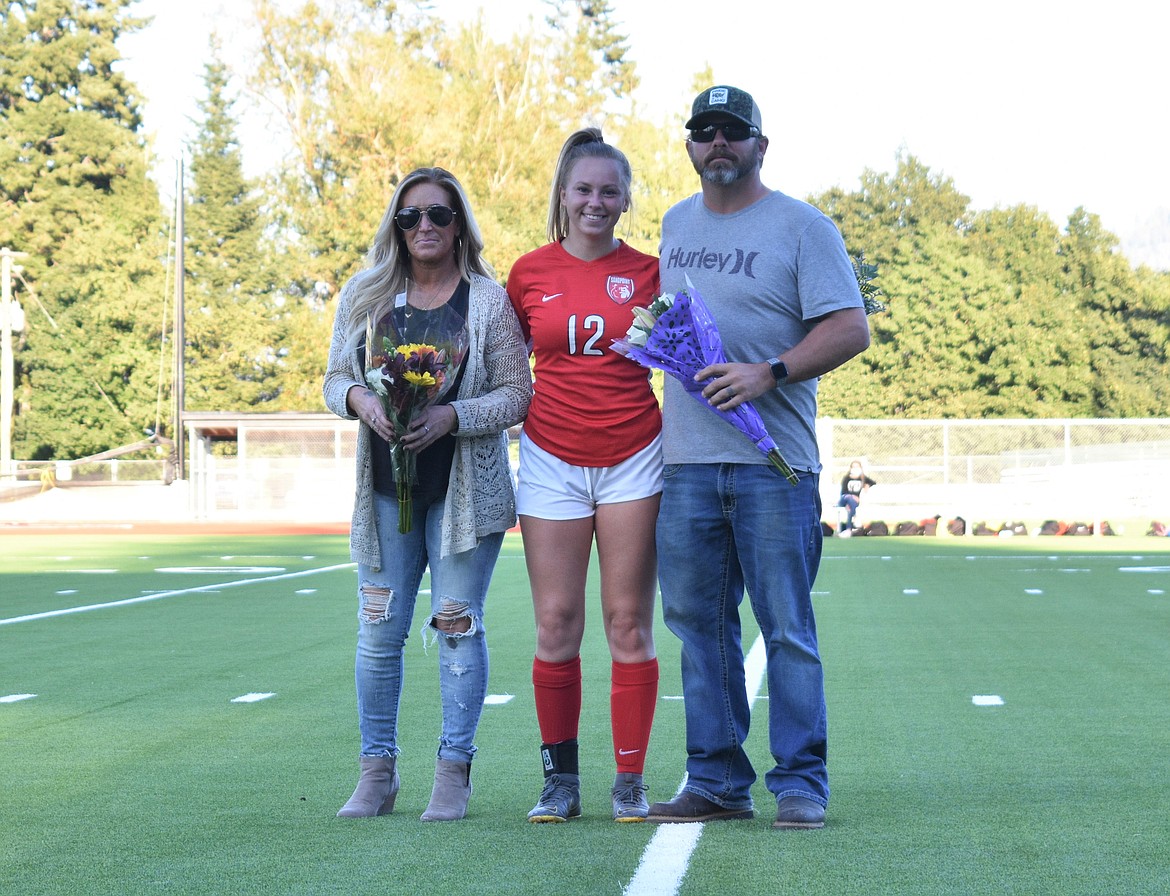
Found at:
(765, 272)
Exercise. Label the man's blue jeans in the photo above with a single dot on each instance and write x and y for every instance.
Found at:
(386, 598)
(723, 528)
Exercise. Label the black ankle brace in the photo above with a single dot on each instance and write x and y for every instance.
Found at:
(559, 758)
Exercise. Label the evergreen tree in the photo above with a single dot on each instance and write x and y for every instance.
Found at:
(76, 197)
(592, 59)
(233, 326)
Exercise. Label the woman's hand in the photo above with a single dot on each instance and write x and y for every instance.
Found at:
(430, 426)
(367, 407)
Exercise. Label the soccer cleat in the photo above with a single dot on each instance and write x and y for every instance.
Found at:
(629, 798)
(559, 801)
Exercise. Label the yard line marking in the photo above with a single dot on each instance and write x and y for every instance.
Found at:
(664, 862)
(497, 699)
(221, 569)
(176, 593)
(252, 698)
(16, 698)
(265, 556)
(987, 700)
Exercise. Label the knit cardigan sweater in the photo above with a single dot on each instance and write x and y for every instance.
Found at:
(493, 395)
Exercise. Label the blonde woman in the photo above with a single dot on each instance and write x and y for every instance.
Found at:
(590, 470)
(426, 258)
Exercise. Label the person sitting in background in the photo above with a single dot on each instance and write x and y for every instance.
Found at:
(853, 485)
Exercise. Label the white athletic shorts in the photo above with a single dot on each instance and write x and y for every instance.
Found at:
(551, 489)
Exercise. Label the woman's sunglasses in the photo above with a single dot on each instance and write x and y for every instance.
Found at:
(408, 218)
(732, 133)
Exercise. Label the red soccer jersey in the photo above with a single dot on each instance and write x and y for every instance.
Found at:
(592, 407)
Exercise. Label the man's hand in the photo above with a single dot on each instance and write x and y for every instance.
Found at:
(733, 384)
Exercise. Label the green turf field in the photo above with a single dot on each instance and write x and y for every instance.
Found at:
(131, 770)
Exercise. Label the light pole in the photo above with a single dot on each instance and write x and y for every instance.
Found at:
(8, 321)
(180, 328)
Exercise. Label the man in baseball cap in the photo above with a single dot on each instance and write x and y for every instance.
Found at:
(720, 103)
(779, 284)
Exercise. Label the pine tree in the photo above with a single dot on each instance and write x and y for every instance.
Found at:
(76, 197)
(233, 326)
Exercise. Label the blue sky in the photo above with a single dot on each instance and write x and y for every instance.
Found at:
(1051, 104)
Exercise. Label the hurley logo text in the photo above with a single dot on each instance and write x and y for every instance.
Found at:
(733, 262)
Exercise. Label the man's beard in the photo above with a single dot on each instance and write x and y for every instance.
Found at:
(724, 175)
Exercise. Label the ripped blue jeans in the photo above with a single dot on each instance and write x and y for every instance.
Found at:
(386, 600)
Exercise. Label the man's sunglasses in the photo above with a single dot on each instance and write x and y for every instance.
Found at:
(408, 218)
(732, 133)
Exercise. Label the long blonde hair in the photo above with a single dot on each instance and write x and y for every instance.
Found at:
(587, 143)
(388, 262)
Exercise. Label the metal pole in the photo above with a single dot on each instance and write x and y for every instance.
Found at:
(7, 361)
(180, 334)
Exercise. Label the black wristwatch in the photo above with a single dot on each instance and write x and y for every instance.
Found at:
(779, 371)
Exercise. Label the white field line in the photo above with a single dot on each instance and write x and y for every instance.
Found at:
(254, 697)
(176, 593)
(664, 863)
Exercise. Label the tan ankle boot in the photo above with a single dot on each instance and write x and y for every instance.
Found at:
(376, 789)
(451, 792)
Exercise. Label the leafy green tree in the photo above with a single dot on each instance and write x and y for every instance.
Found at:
(994, 313)
(76, 197)
(1130, 333)
(997, 313)
(370, 91)
(908, 224)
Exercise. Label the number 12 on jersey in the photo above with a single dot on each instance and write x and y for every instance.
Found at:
(592, 323)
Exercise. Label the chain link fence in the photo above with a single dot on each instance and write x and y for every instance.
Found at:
(1004, 471)
(300, 468)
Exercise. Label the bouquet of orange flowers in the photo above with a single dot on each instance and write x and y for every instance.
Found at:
(411, 368)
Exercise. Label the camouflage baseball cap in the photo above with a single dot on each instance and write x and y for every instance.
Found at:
(715, 103)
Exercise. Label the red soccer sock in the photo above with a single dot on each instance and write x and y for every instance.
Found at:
(632, 697)
(558, 698)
